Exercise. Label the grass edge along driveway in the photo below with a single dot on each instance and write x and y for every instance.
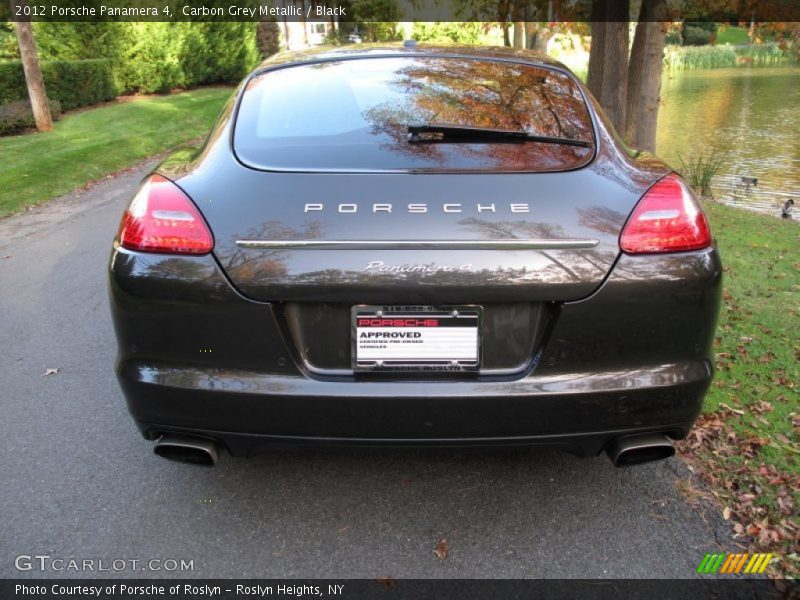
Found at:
(746, 444)
(89, 144)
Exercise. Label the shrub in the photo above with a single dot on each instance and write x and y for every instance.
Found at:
(73, 83)
(82, 41)
(694, 36)
(77, 83)
(162, 56)
(150, 61)
(12, 81)
(87, 63)
(79, 41)
(268, 38)
(673, 37)
(231, 51)
(18, 115)
(377, 20)
(193, 57)
(710, 26)
(8, 41)
(456, 33)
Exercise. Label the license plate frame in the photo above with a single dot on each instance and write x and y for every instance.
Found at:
(424, 350)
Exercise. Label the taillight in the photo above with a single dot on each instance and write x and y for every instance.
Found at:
(161, 218)
(666, 219)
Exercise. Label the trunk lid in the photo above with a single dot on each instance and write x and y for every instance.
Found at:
(415, 238)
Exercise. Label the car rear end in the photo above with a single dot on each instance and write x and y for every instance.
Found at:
(318, 275)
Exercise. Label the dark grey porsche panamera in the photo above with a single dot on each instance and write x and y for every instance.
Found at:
(398, 246)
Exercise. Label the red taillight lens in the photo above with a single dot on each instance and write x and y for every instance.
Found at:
(666, 219)
(161, 218)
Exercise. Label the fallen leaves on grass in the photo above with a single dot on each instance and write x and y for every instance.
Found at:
(758, 499)
(795, 422)
(752, 446)
(767, 357)
(735, 411)
(779, 378)
(441, 549)
(761, 407)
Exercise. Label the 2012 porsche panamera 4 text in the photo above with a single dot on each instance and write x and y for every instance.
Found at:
(398, 246)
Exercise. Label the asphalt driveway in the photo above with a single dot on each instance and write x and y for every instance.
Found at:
(79, 482)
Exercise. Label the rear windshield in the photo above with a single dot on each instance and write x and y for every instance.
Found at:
(353, 115)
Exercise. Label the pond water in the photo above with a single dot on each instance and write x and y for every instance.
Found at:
(753, 114)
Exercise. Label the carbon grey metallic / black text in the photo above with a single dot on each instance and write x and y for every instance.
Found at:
(420, 245)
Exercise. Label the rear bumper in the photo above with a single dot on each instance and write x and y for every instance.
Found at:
(196, 356)
(249, 411)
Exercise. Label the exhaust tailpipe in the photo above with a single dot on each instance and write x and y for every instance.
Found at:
(639, 449)
(187, 449)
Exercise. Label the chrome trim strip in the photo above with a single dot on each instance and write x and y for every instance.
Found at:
(540, 244)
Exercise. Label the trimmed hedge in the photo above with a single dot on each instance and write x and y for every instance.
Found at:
(19, 115)
(12, 81)
(72, 83)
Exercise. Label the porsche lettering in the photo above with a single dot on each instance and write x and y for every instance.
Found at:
(417, 207)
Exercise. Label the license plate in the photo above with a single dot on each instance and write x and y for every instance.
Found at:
(416, 338)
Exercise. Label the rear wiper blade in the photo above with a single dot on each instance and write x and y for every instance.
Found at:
(438, 133)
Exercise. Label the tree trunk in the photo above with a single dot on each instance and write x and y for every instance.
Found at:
(286, 32)
(644, 75)
(305, 24)
(33, 76)
(519, 35)
(503, 9)
(518, 12)
(615, 73)
(608, 59)
(268, 38)
(543, 36)
(531, 28)
(596, 53)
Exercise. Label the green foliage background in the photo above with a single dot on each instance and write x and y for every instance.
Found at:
(455, 33)
(88, 63)
(156, 57)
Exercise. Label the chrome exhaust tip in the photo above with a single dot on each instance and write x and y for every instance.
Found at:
(639, 449)
(187, 449)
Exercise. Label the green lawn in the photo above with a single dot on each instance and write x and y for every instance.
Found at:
(737, 36)
(758, 344)
(746, 445)
(89, 144)
(732, 35)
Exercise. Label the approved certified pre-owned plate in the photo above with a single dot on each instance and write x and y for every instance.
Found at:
(416, 337)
